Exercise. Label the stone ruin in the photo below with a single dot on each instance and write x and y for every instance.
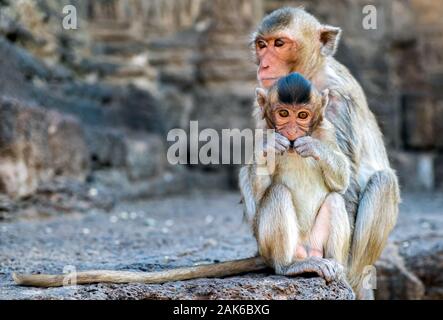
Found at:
(91, 107)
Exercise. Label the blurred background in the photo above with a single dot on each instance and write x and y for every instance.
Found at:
(135, 69)
(84, 113)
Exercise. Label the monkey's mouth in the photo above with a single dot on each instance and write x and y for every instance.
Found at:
(269, 78)
(268, 81)
(291, 146)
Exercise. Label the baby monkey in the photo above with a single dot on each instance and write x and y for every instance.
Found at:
(299, 217)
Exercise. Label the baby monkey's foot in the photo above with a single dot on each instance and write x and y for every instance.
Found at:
(303, 252)
(329, 270)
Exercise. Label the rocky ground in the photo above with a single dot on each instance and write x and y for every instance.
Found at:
(411, 266)
(201, 228)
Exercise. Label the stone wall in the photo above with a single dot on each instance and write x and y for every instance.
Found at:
(156, 65)
(399, 66)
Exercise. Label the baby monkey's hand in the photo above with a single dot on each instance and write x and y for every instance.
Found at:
(281, 145)
(308, 147)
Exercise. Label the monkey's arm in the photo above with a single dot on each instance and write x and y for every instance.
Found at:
(248, 198)
(334, 164)
(336, 170)
(252, 187)
(255, 178)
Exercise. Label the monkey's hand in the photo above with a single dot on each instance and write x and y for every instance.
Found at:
(328, 269)
(280, 146)
(335, 166)
(308, 147)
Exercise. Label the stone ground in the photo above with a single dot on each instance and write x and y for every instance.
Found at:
(163, 233)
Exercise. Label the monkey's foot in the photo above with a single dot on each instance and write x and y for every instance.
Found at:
(329, 270)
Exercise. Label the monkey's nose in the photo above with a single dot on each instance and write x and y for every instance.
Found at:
(291, 143)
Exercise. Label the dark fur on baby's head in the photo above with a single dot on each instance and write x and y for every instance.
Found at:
(294, 89)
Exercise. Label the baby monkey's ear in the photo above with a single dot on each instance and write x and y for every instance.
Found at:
(324, 100)
(260, 95)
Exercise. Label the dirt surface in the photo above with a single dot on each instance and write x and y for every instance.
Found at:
(146, 236)
(171, 232)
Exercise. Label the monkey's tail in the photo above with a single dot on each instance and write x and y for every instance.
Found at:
(104, 276)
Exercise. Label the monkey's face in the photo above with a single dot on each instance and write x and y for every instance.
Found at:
(291, 121)
(276, 55)
(292, 106)
(291, 40)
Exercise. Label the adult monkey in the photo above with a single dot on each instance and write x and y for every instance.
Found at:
(291, 40)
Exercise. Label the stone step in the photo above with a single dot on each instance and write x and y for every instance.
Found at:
(124, 48)
(111, 35)
(103, 24)
(131, 71)
(170, 57)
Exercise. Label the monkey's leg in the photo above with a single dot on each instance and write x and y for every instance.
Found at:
(339, 237)
(376, 217)
(276, 228)
(329, 241)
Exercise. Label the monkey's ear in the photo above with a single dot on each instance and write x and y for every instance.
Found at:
(329, 38)
(324, 100)
(260, 95)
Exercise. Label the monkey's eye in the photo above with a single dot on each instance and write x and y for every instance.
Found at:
(283, 113)
(302, 115)
(279, 43)
(261, 44)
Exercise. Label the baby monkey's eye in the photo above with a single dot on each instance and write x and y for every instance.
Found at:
(302, 115)
(283, 113)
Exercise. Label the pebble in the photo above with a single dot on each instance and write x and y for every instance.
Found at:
(211, 242)
(150, 222)
(93, 192)
(425, 225)
(133, 215)
(168, 177)
(209, 219)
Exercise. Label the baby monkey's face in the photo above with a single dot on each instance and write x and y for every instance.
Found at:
(292, 106)
(291, 121)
